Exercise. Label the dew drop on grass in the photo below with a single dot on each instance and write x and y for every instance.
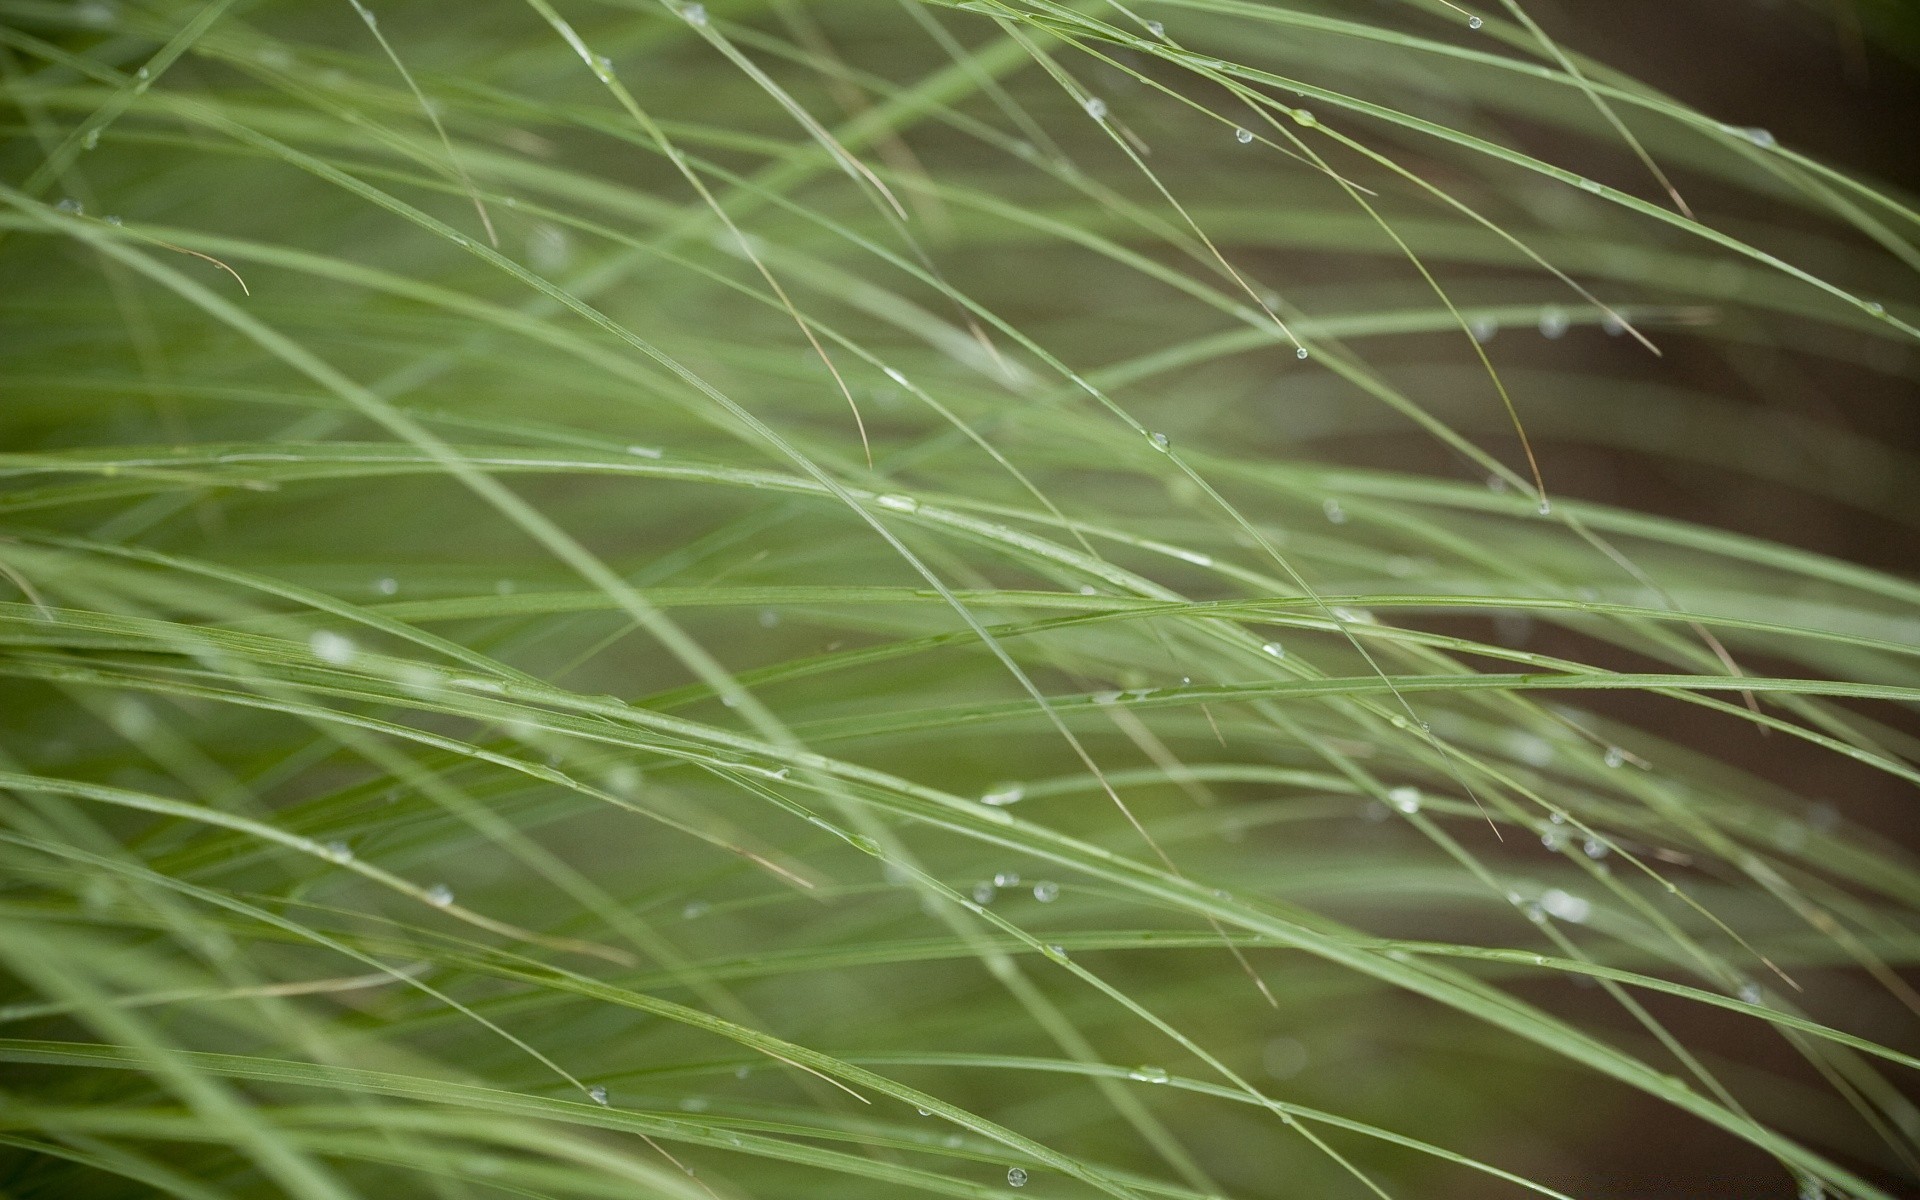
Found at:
(549, 249)
(338, 852)
(1149, 1074)
(905, 504)
(1614, 756)
(1750, 992)
(1483, 329)
(644, 451)
(925, 1112)
(1759, 137)
(91, 140)
(1243, 136)
(1160, 441)
(70, 206)
(1406, 799)
(695, 14)
(1335, 514)
(1016, 1177)
(1004, 794)
(1096, 108)
(1006, 879)
(1055, 952)
(328, 646)
(1474, 22)
(1566, 906)
(1275, 649)
(769, 617)
(694, 910)
(598, 1095)
(1553, 322)
(1594, 848)
(1046, 891)
(1530, 748)
(386, 585)
(1156, 29)
(1544, 508)
(984, 892)
(440, 895)
(1554, 839)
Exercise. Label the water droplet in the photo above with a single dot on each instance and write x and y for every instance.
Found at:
(1750, 992)
(91, 140)
(1304, 118)
(694, 910)
(1055, 952)
(95, 14)
(1335, 514)
(328, 646)
(1016, 1177)
(1544, 508)
(925, 1112)
(70, 205)
(113, 220)
(1160, 441)
(1553, 322)
(1554, 839)
(905, 504)
(695, 14)
(1483, 329)
(1243, 136)
(1096, 108)
(769, 617)
(1004, 794)
(1474, 22)
(440, 895)
(1149, 1074)
(386, 585)
(1566, 906)
(1759, 137)
(643, 452)
(1046, 891)
(598, 1095)
(1406, 799)
(1614, 756)
(1156, 29)
(338, 852)
(1300, 352)
(549, 249)
(1006, 879)
(1594, 848)
(143, 74)
(983, 892)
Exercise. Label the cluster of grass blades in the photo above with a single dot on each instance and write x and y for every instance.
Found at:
(612, 598)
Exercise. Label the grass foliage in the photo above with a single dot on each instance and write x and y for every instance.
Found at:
(614, 598)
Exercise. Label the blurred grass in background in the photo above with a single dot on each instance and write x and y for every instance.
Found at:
(862, 599)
